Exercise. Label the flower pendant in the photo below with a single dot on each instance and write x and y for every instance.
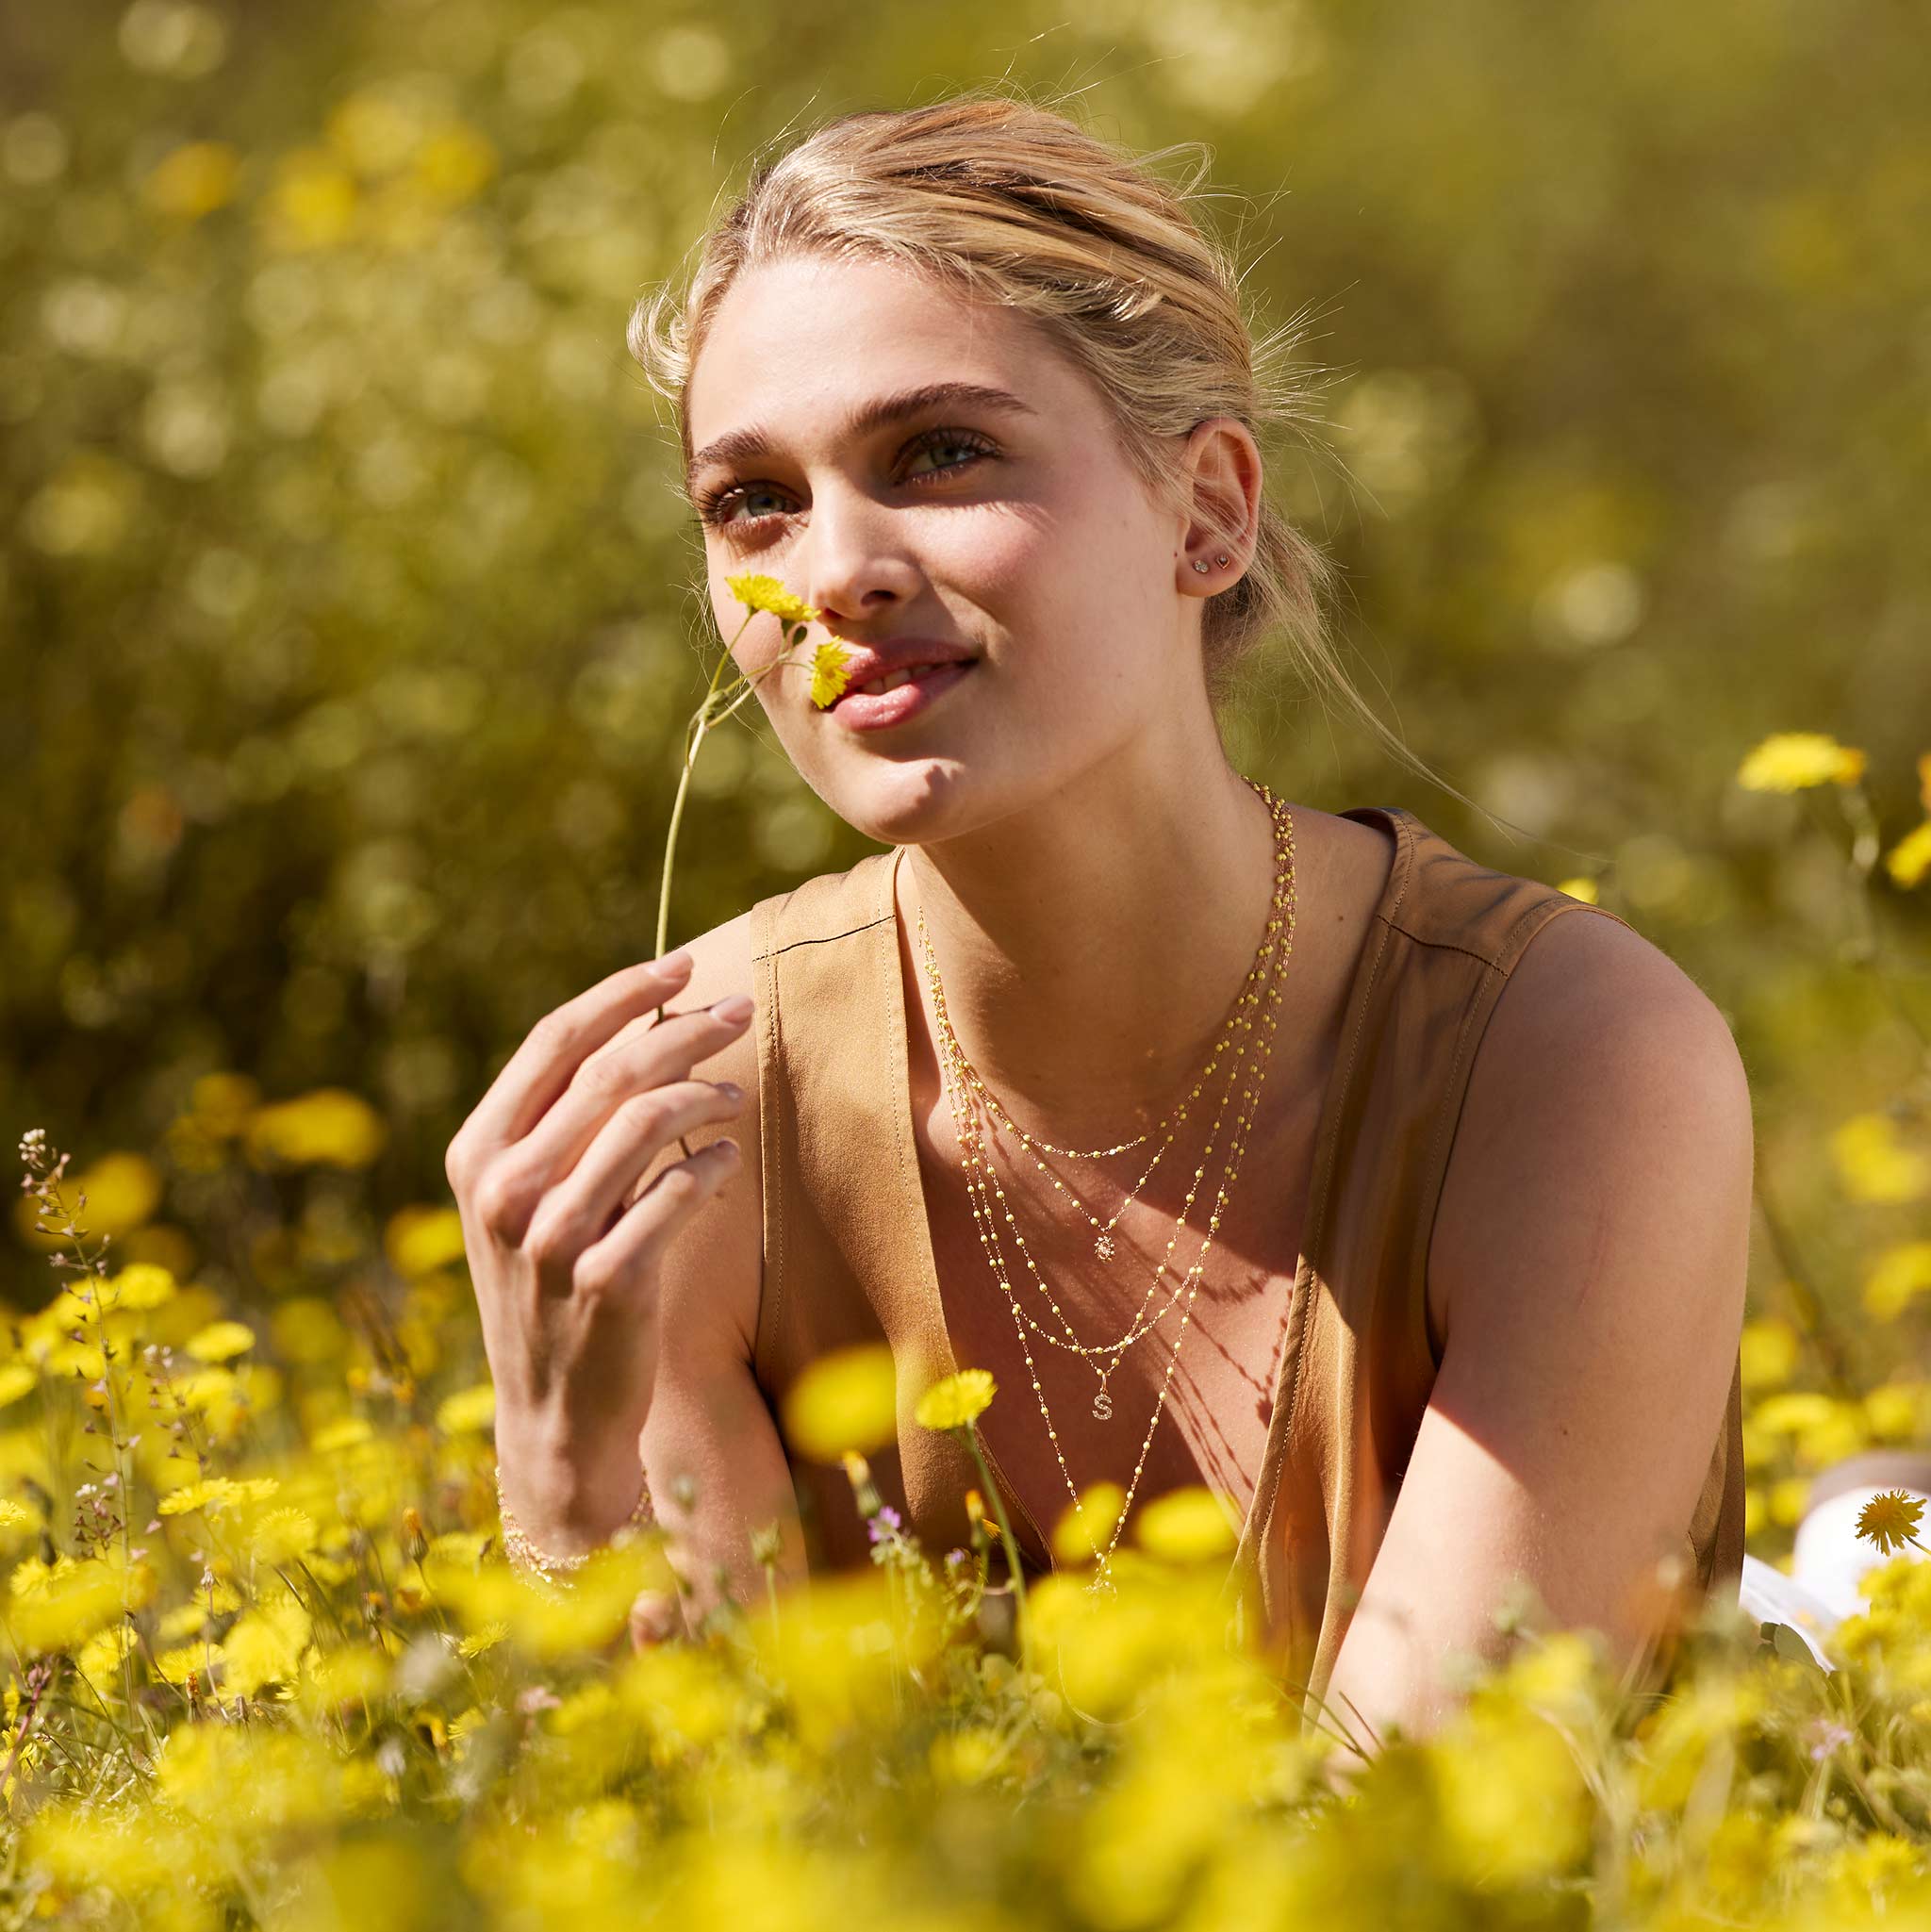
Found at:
(1102, 1246)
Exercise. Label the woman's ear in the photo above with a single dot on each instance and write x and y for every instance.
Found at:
(1220, 480)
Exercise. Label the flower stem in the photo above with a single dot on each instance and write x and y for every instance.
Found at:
(1006, 1536)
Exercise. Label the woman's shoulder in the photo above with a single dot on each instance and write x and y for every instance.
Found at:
(826, 906)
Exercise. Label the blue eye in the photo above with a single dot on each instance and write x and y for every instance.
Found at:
(716, 506)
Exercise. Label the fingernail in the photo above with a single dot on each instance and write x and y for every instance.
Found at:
(734, 1006)
(726, 1146)
(678, 961)
(731, 1090)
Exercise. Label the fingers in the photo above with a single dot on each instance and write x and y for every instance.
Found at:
(556, 1047)
(610, 1078)
(632, 1250)
(579, 1210)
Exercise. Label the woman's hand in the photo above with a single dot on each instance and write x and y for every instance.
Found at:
(563, 1259)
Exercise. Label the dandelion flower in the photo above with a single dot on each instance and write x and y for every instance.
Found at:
(956, 1401)
(221, 1341)
(830, 673)
(766, 593)
(1909, 860)
(1890, 1520)
(1793, 761)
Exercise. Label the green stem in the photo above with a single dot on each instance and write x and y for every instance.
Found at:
(1006, 1536)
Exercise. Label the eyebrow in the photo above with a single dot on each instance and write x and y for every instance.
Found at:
(748, 445)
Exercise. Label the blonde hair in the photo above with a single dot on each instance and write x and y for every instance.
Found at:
(1021, 205)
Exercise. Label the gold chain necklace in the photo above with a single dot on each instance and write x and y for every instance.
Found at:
(988, 1237)
(1238, 1026)
(1103, 1243)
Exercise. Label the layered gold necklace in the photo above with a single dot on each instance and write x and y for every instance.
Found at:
(1258, 1000)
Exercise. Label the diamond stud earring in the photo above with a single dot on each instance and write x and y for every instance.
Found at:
(1221, 560)
(1201, 565)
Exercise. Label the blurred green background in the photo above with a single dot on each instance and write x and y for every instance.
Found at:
(347, 612)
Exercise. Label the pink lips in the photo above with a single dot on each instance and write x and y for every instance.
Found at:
(859, 712)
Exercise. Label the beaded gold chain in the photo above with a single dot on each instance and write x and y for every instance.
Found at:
(1103, 1243)
(977, 1171)
(1238, 1025)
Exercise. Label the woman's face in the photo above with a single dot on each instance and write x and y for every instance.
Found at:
(1012, 530)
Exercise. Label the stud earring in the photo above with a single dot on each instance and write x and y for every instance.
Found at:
(1201, 565)
(1221, 560)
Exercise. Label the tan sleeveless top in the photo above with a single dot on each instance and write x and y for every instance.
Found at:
(848, 1253)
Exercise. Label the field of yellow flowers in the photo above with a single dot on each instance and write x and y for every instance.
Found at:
(266, 1666)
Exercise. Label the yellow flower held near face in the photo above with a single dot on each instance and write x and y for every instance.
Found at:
(956, 1401)
(766, 593)
(1890, 1520)
(830, 673)
(1791, 760)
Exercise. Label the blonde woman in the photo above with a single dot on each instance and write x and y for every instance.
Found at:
(1290, 1153)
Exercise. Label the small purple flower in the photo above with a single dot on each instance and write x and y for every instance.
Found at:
(884, 1522)
(1825, 1737)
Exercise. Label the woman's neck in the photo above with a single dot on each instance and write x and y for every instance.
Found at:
(1090, 948)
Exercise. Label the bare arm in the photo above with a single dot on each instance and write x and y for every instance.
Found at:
(1592, 1242)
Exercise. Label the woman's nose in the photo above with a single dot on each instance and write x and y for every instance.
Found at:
(853, 564)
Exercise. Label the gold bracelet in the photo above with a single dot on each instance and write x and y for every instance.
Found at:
(527, 1559)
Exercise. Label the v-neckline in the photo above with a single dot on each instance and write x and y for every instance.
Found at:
(1404, 828)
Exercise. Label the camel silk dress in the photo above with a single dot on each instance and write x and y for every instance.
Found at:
(849, 1257)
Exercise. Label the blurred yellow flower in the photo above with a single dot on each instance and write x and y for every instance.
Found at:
(847, 1398)
(453, 165)
(283, 1534)
(312, 203)
(221, 1341)
(1185, 1526)
(830, 673)
(1767, 1352)
(16, 1380)
(1875, 1164)
(419, 1240)
(193, 180)
(1793, 761)
(214, 1492)
(345, 1433)
(468, 1412)
(1079, 1535)
(767, 593)
(1909, 860)
(329, 1126)
(142, 1285)
(1897, 1277)
(956, 1401)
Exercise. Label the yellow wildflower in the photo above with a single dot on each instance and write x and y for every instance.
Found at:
(1794, 760)
(419, 1240)
(767, 593)
(956, 1401)
(16, 1380)
(1897, 1277)
(1875, 1164)
(846, 1399)
(193, 179)
(467, 1412)
(220, 1341)
(330, 1125)
(1909, 860)
(1185, 1526)
(830, 673)
(1890, 1520)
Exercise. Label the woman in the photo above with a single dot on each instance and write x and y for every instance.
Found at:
(1475, 1177)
